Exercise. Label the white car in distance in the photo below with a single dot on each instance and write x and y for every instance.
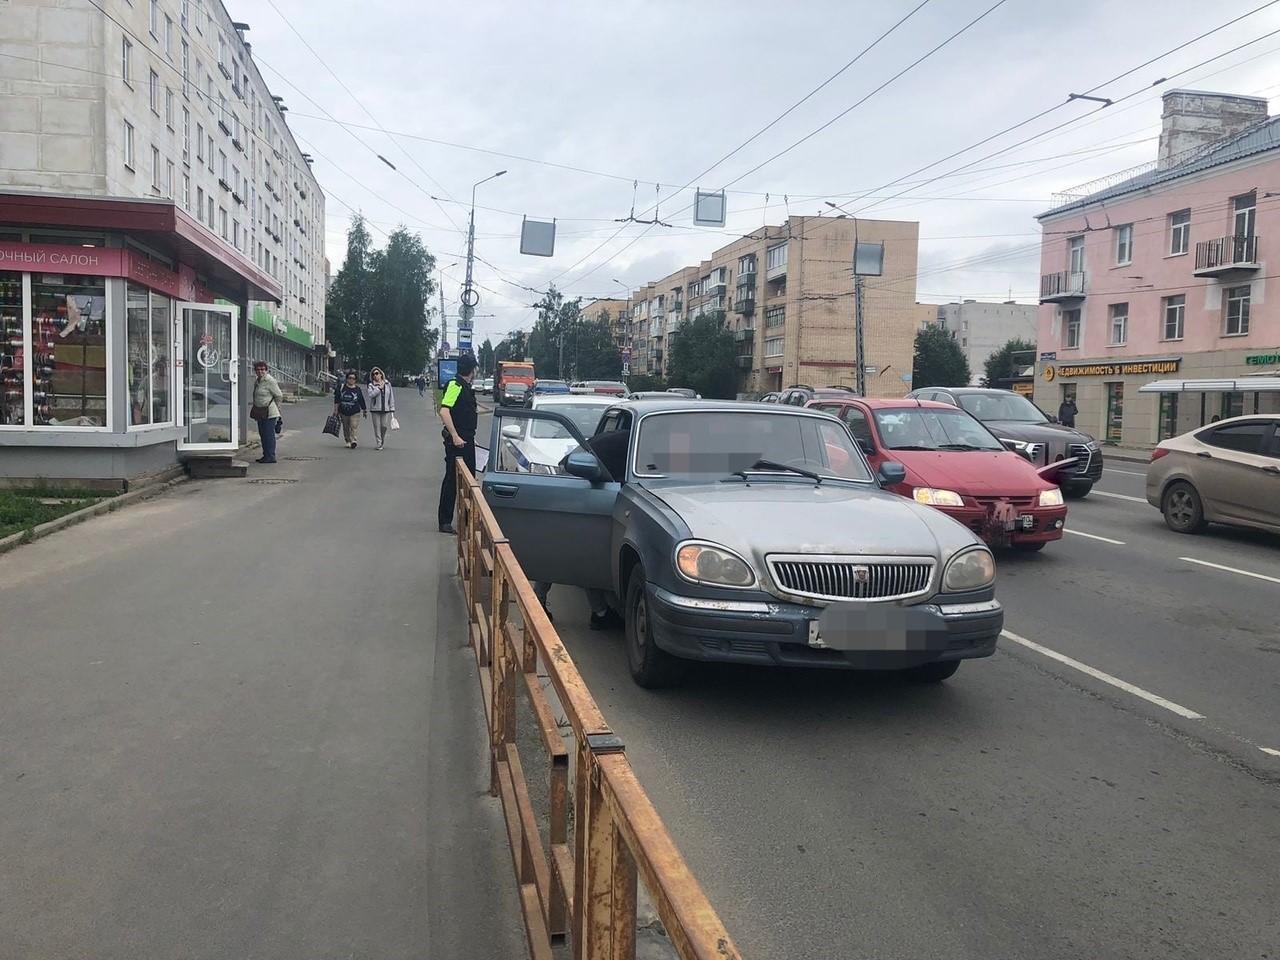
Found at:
(538, 446)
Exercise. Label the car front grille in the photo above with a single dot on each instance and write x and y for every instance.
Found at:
(1021, 503)
(852, 578)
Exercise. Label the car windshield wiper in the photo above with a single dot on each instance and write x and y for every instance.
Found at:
(774, 465)
(962, 446)
(910, 447)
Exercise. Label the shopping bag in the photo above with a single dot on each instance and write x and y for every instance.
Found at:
(331, 425)
(395, 424)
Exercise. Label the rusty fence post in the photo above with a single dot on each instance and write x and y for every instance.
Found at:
(605, 875)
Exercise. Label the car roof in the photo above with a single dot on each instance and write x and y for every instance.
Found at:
(575, 399)
(894, 403)
(975, 391)
(645, 406)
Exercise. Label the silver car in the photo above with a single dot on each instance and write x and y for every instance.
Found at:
(734, 532)
(1227, 472)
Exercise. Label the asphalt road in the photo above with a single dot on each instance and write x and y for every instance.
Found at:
(1106, 786)
(241, 721)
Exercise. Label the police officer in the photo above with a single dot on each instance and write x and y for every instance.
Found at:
(458, 411)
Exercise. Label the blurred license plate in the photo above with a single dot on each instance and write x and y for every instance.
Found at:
(1028, 521)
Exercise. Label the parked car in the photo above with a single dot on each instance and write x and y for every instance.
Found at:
(655, 395)
(685, 392)
(1023, 427)
(1228, 473)
(485, 386)
(727, 532)
(513, 393)
(541, 387)
(771, 398)
(612, 388)
(801, 394)
(956, 464)
(536, 446)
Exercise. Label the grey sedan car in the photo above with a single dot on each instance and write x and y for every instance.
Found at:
(735, 532)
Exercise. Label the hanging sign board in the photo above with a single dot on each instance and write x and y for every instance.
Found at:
(537, 238)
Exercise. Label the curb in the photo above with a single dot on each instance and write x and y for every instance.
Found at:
(15, 540)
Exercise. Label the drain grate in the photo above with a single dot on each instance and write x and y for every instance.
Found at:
(304, 458)
(271, 480)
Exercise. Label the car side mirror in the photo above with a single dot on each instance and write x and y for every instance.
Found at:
(511, 430)
(891, 473)
(582, 463)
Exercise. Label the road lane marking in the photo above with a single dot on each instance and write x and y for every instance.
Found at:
(1104, 677)
(1243, 573)
(1127, 473)
(1094, 536)
(1117, 496)
(1271, 750)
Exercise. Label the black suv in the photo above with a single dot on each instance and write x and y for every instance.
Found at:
(801, 394)
(1023, 427)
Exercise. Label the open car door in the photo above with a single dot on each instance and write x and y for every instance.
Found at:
(559, 525)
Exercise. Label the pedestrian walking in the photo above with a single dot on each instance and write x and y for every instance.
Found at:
(422, 385)
(1067, 412)
(266, 410)
(382, 405)
(458, 411)
(349, 404)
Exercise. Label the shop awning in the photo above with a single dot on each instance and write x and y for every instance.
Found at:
(1266, 383)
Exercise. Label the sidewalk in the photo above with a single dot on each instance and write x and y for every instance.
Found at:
(241, 720)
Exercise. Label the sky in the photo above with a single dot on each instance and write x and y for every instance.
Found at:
(596, 110)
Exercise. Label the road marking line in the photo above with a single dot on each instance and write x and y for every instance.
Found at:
(1243, 573)
(1117, 496)
(1270, 750)
(1094, 536)
(1104, 677)
(1127, 473)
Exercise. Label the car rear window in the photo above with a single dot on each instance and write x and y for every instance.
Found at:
(1241, 437)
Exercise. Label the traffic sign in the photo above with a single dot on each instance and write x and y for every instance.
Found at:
(469, 297)
(466, 312)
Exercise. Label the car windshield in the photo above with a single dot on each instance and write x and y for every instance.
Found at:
(517, 388)
(584, 416)
(929, 428)
(1002, 406)
(712, 445)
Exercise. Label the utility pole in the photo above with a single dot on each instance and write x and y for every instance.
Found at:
(858, 286)
(469, 296)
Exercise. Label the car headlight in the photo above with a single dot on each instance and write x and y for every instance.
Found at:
(937, 498)
(1020, 446)
(1051, 498)
(708, 563)
(971, 570)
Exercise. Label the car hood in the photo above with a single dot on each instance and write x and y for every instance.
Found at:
(1035, 432)
(782, 516)
(976, 473)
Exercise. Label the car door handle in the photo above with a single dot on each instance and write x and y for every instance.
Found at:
(1204, 456)
(504, 490)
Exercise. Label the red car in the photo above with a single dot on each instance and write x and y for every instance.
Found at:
(956, 464)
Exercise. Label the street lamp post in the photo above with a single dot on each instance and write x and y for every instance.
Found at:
(469, 297)
(628, 337)
(868, 260)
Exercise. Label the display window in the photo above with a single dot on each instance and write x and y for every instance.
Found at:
(148, 325)
(13, 407)
(69, 350)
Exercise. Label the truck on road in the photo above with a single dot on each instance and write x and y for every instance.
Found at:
(508, 372)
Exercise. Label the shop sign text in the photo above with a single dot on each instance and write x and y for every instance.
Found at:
(1133, 368)
(1263, 359)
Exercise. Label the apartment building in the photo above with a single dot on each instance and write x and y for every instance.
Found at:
(145, 167)
(618, 313)
(1158, 312)
(982, 328)
(787, 292)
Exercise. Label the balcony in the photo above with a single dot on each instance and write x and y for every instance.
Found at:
(745, 334)
(744, 362)
(1227, 256)
(717, 290)
(745, 307)
(1061, 287)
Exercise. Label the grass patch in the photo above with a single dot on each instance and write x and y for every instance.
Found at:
(27, 509)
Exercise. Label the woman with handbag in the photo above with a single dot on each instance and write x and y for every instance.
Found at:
(266, 410)
(382, 405)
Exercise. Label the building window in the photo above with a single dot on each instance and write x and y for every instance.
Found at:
(1179, 232)
(210, 220)
(126, 61)
(168, 36)
(1238, 311)
(148, 318)
(1119, 324)
(170, 179)
(773, 346)
(1246, 212)
(1124, 244)
(222, 166)
(155, 167)
(1168, 416)
(128, 144)
(168, 108)
(224, 223)
(186, 69)
(776, 257)
(222, 51)
(1071, 329)
(185, 16)
(200, 142)
(747, 264)
(200, 204)
(186, 191)
(775, 316)
(1075, 255)
(209, 143)
(186, 136)
(154, 84)
(155, 18)
(1175, 311)
(69, 344)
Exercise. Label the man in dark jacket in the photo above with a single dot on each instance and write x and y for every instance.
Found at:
(1067, 412)
(349, 403)
(460, 415)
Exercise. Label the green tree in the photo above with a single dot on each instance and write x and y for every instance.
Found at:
(642, 382)
(514, 347)
(595, 355)
(550, 342)
(939, 361)
(347, 309)
(702, 355)
(999, 365)
(485, 357)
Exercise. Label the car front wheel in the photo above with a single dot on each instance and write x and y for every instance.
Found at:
(650, 666)
(1182, 508)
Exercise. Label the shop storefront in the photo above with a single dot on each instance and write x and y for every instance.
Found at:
(1120, 402)
(115, 359)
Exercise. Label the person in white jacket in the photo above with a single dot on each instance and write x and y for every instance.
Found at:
(382, 405)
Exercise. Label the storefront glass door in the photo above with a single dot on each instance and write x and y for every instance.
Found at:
(207, 345)
(1115, 412)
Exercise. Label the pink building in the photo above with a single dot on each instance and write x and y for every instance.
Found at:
(1161, 279)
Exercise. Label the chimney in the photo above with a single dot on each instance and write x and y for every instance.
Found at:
(1194, 119)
